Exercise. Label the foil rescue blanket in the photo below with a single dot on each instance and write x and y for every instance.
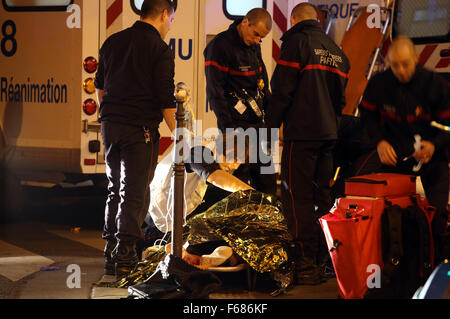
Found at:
(250, 222)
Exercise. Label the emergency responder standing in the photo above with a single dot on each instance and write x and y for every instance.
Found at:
(237, 84)
(135, 86)
(308, 94)
(398, 104)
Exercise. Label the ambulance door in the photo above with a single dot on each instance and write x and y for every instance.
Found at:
(92, 159)
(183, 39)
(40, 85)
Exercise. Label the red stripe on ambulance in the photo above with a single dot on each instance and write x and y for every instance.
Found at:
(426, 53)
(113, 12)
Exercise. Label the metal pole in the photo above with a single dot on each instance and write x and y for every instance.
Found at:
(179, 171)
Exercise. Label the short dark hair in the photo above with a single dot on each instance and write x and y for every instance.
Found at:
(153, 8)
(256, 15)
(304, 10)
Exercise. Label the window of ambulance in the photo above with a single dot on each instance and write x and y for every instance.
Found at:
(424, 21)
(136, 5)
(235, 9)
(36, 5)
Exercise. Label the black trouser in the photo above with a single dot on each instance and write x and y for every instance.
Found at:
(435, 182)
(260, 181)
(262, 174)
(306, 171)
(130, 165)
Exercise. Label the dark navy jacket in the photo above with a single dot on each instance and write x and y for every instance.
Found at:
(308, 84)
(395, 112)
(136, 70)
(230, 66)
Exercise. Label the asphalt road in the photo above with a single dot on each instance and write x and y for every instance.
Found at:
(59, 229)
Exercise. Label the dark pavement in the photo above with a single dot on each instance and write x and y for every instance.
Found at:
(61, 227)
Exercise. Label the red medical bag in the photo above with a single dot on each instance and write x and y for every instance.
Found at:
(381, 185)
(353, 231)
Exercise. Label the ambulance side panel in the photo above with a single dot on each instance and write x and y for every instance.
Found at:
(91, 162)
(40, 91)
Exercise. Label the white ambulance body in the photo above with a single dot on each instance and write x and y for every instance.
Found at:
(428, 24)
(48, 107)
(41, 88)
(48, 110)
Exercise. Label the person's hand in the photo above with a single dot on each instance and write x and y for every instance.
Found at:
(386, 153)
(246, 187)
(425, 153)
(227, 181)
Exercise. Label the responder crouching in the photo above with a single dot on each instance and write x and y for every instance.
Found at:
(397, 111)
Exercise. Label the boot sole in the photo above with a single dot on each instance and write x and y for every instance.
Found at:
(312, 281)
(309, 283)
(109, 272)
(109, 269)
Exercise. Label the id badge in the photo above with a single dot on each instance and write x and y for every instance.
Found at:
(240, 107)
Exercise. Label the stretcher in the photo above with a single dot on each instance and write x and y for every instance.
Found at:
(325, 18)
(362, 45)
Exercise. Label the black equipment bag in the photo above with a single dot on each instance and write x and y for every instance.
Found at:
(408, 252)
(165, 289)
(175, 279)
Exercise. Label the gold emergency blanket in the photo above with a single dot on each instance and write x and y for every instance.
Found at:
(143, 271)
(251, 223)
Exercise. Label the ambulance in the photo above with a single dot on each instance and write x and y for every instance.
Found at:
(49, 49)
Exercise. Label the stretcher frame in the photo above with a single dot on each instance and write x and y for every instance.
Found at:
(369, 52)
(325, 18)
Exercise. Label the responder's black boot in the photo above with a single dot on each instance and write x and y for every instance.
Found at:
(126, 258)
(110, 268)
(326, 269)
(307, 272)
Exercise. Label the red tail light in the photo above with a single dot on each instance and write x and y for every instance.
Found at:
(90, 64)
(89, 107)
(89, 161)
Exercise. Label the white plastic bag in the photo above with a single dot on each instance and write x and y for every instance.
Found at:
(161, 193)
